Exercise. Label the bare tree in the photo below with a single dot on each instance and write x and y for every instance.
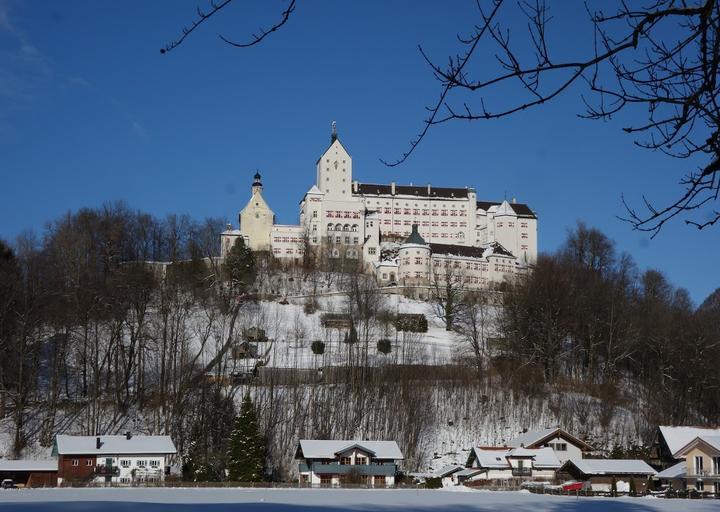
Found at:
(476, 323)
(447, 289)
(662, 57)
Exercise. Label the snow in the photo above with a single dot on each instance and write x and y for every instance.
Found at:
(28, 465)
(327, 449)
(137, 444)
(613, 466)
(326, 500)
(678, 437)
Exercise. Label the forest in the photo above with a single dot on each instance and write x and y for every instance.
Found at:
(114, 320)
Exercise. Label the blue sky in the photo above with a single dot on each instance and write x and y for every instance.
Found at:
(90, 112)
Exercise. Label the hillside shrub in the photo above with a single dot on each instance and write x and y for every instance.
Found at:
(318, 348)
(411, 322)
(433, 483)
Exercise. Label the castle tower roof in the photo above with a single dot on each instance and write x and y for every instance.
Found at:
(415, 237)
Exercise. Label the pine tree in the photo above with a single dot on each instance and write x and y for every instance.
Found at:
(239, 265)
(246, 456)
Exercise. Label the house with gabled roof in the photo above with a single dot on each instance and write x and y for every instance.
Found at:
(332, 463)
(503, 465)
(115, 459)
(565, 445)
(701, 458)
(669, 440)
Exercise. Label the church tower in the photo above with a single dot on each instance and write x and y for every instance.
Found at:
(334, 170)
(257, 219)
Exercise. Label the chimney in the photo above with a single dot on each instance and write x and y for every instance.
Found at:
(428, 189)
(128, 435)
(355, 186)
(392, 188)
(514, 200)
(98, 444)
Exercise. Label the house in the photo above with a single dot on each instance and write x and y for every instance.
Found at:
(119, 459)
(702, 464)
(30, 473)
(504, 466)
(337, 462)
(447, 474)
(668, 440)
(565, 446)
(599, 474)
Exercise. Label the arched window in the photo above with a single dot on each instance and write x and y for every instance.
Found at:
(354, 228)
(346, 227)
(338, 227)
(330, 227)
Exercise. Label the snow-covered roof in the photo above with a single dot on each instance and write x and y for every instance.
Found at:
(446, 471)
(28, 465)
(677, 471)
(711, 441)
(612, 466)
(329, 448)
(534, 437)
(491, 458)
(677, 437)
(137, 444)
(468, 472)
(546, 458)
(521, 452)
(497, 459)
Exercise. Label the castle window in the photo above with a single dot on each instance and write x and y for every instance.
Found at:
(338, 239)
(371, 250)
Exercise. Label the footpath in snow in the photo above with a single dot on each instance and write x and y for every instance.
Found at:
(326, 500)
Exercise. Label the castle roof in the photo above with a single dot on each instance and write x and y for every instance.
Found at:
(520, 209)
(415, 237)
(410, 190)
(494, 248)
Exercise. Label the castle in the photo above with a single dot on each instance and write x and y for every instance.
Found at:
(405, 234)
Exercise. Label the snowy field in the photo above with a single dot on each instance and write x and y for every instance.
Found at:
(326, 500)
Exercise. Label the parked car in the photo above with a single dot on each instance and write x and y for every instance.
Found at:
(572, 486)
(7, 484)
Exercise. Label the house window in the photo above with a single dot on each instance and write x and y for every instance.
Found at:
(380, 480)
(716, 465)
(371, 250)
(360, 460)
(325, 479)
(699, 465)
(314, 214)
(345, 461)
(76, 462)
(89, 462)
(154, 463)
(124, 480)
(700, 486)
(125, 463)
(141, 463)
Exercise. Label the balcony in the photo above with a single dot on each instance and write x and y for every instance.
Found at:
(345, 469)
(521, 472)
(107, 470)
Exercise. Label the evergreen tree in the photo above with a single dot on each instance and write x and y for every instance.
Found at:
(246, 456)
(239, 266)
